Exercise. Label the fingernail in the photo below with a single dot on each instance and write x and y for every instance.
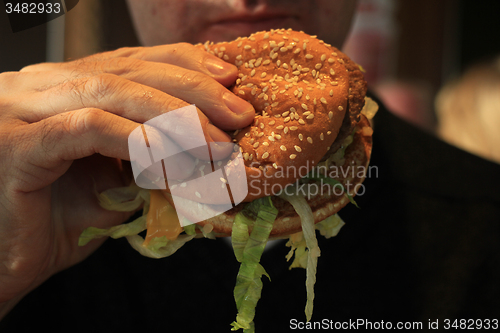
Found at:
(217, 135)
(236, 104)
(222, 146)
(217, 66)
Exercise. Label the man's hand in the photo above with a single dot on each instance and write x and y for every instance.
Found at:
(64, 128)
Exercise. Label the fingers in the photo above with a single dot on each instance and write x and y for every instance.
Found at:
(51, 144)
(135, 78)
(221, 106)
(182, 55)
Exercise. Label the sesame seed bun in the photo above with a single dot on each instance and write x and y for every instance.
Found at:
(308, 96)
(301, 89)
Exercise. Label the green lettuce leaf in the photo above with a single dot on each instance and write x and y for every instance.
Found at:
(248, 250)
(122, 230)
(303, 209)
(123, 199)
(159, 247)
(330, 226)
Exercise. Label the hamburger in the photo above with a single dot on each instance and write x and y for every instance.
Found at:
(305, 157)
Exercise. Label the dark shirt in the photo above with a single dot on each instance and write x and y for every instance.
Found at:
(423, 246)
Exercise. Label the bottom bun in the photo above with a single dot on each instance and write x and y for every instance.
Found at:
(325, 200)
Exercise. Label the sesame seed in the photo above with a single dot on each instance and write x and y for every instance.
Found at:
(318, 66)
(292, 109)
(306, 113)
(275, 165)
(331, 60)
(309, 139)
(266, 62)
(277, 136)
(304, 106)
(297, 148)
(287, 119)
(332, 72)
(263, 75)
(301, 137)
(283, 148)
(247, 47)
(292, 156)
(309, 56)
(330, 115)
(283, 49)
(331, 93)
(309, 117)
(279, 127)
(245, 156)
(341, 108)
(293, 128)
(296, 72)
(271, 138)
(252, 73)
(274, 56)
(265, 144)
(302, 122)
(265, 155)
(285, 130)
(323, 57)
(197, 194)
(321, 136)
(329, 132)
(254, 51)
(241, 92)
(255, 145)
(323, 100)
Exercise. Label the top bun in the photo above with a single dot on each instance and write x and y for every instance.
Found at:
(303, 91)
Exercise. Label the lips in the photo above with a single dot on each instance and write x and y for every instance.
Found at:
(244, 25)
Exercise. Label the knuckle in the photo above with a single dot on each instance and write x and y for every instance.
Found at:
(83, 121)
(8, 80)
(94, 88)
(121, 65)
(192, 80)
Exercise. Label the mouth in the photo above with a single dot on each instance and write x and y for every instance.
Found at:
(245, 25)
